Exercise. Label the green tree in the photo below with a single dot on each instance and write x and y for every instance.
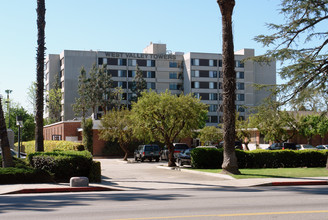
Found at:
(28, 128)
(229, 164)
(31, 96)
(41, 11)
(116, 126)
(210, 135)
(105, 88)
(301, 45)
(164, 117)
(139, 85)
(243, 131)
(54, 100)
(311, 125)
(7, 160)
(82, 104)
(274, 124)
(87, 134)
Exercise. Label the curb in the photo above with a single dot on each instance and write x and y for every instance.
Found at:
(63, 189)
(295, 183)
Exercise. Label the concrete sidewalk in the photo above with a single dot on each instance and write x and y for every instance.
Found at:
(122, 175)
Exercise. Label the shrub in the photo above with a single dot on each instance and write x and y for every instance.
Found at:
(95, 172)
(53, 145)
(65, 164)
(206, 158)
(22, 173)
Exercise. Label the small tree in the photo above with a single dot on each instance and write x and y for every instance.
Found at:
(210, 134)
(7, 160)
(165, 117)
(116, 126)
(54, 100)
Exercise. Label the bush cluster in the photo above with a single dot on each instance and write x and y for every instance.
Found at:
(49, 146)
(66, 164)
(210, 158)
(22, 173)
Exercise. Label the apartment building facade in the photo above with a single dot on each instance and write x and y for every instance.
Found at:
(196, 73)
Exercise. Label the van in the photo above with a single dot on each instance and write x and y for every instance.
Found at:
(147, 151)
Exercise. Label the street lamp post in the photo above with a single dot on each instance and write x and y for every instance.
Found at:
(8, 91)
(19, 123)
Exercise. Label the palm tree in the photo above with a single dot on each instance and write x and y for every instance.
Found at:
(7, 160)
(41, 11)
(229, 164)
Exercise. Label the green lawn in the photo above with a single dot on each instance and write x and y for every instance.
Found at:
(275, 172)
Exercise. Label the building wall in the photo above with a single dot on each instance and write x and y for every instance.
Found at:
(61, 130)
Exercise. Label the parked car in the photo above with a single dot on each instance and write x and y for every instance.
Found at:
(206, 147)
(238, 145)
(305, 147)
(282, 146)
(15, 153)
(178, 148)
(184, 158)
(322, 147)
(148, 151)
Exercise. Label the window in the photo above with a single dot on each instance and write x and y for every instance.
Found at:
(240, 75)
(211, 85)
(121, 84)
(213, 74)
(195, 85)
(173, 64)
(173, 86)
(196, 94)
(220, 85)
(213, 63)
(240, 97)
(239, 64)
(213, 96)
(150, 74)
(220, 63)
(213, 119)
(195, 62)
(173, 75)
(131, 73)
(151, 63)
(121, 62)
(212, 108)
(240, 86)
(220, 74)
(195, 73)
(240, 108)
(220, 96)
(151, 85)
(121, 73)
(132, 62)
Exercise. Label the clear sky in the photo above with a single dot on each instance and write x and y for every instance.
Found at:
(120, 25)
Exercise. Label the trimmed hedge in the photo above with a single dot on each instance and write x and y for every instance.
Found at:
(50, 146)
(210, 158)
(66, 164)
(22, 173)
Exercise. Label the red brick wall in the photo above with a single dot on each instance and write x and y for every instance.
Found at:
(63, 129)
(98, 145)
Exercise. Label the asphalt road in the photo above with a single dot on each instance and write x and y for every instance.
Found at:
(310, 202)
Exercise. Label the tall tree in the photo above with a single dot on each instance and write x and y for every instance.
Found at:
(301, 45)
(229, 164)
(139, 85)
(54, 100)
(164, 117)
(41, 11)
(7, 160)
(82, 104)
(31, 96)
(116, 126)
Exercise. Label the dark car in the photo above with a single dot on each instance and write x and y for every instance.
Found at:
(184, 158)
(238, 145)
(282, 146)
(148, 151)
(178, 148)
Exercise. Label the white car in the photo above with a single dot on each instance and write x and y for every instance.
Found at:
(322, 147)
(305, 147)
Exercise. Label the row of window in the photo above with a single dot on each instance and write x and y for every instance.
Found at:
(129, 85)
(215, 96)
(214, 108)
(206, 62)
(213, 74)
(214, 119)
(213, 85)
(131, 73)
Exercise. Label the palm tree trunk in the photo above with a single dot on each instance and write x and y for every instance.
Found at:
(229, 85)
(7, 160)
(41, 10)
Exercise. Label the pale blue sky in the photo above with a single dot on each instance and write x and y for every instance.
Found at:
(120, 25)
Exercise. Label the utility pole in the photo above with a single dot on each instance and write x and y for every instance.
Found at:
(8, 91)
